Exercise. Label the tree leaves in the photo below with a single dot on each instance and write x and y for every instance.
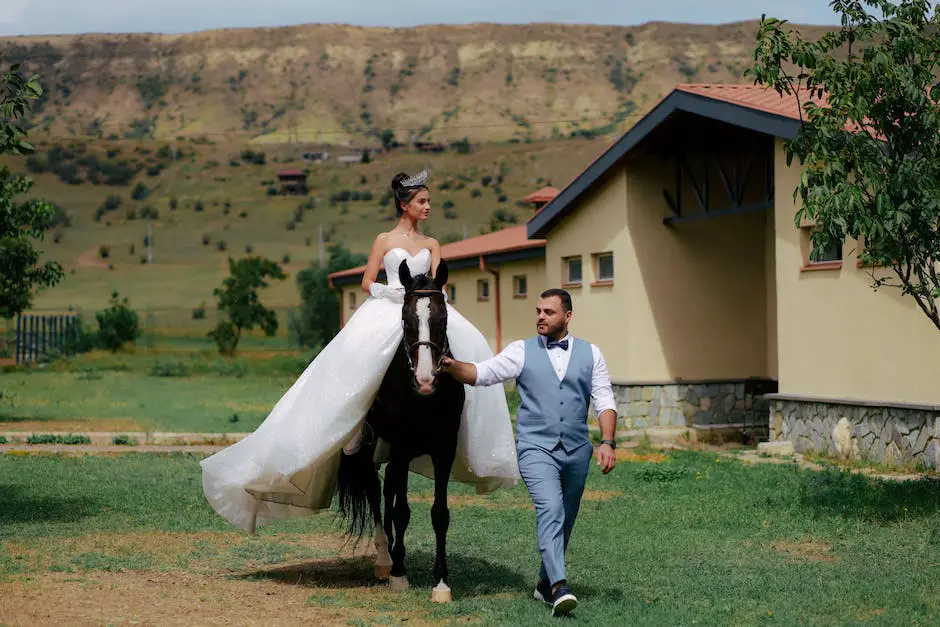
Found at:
(869, 145)
(238, 300)
(20, 223)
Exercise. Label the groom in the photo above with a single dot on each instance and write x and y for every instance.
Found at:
(557, 376)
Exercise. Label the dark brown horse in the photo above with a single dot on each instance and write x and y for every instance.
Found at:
(416, 412)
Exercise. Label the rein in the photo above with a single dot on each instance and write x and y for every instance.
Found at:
(441, 349)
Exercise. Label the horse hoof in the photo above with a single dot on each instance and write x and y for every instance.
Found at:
(441, 593)
(398, 583)
(382, 571)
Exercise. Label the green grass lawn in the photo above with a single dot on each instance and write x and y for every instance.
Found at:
(159, 391)
(691, 540)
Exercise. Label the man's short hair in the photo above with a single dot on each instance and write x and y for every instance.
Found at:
(561, 294)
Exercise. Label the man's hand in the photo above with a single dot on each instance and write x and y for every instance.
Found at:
(462, 371)
(606, 458)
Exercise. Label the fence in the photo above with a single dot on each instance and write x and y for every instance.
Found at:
(40, 336)
(40, 332)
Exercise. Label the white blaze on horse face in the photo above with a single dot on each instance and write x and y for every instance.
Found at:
(424, 372)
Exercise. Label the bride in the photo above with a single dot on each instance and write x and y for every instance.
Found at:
(287, 467)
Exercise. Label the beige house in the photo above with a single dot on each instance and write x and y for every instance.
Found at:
(679, 247)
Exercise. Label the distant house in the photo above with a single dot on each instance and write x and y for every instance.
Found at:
(541, 197)
(429, 147)
(293, 182)
(316, 156)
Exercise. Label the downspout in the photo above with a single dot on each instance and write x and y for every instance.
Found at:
(499, 320)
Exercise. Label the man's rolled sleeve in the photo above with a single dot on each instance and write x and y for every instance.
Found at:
(601, 390)
(502, 367)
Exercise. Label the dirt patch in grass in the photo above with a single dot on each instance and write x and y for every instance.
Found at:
(806, 550)
(167, 551)
(93, 424)
(158, 598)
(626, 455)
(90, 259)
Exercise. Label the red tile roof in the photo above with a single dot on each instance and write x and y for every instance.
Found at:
(752, 97)
(543, 195)
(506, 240)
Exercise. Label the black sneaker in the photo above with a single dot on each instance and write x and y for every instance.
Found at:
(543, 591)
(563, 601)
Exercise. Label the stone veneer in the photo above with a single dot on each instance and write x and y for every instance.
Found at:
(708, 404)
(890, 435)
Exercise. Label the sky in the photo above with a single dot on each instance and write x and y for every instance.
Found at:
(43, 17)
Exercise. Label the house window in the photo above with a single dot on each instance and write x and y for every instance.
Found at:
(352, 300)
(451, 293)
(483, 289)
(572, 270)
(604, 267)
(828, 254)
(520, 287)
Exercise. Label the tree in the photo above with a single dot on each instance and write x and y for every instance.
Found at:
(20, 223)
(117, 325)
(869, 144)
(238, 301)
(318, 321)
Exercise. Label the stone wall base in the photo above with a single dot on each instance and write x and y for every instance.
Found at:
(708, 410)
(890, 435)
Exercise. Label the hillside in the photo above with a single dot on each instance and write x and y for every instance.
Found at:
(335, 84)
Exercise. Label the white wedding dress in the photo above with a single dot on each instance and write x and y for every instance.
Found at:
(287, 467)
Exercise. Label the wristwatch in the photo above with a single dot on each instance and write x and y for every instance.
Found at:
(611, 443)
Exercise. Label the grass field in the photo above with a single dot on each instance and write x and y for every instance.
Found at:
(688, 538)
(163, 390)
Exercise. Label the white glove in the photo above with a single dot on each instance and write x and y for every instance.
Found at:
(394, 294)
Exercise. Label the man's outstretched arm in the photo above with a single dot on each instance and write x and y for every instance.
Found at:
(504, 366)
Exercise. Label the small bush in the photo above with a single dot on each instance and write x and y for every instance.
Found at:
(54, 438)
(169, 369)
(104, 251)
(199, 313)
(249, 249)
(173, 204)
(123, 440)
(117, 325)
(206, 239)
(198, 206)
(131, 249)
(272, 191)
(243, 214)
(291, 225)
(143, 260)
(221, 245)
(476, 192)
(285, 259)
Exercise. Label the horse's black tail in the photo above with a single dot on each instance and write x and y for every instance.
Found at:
(359, 488)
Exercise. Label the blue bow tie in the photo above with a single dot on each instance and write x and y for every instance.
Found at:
(562, 344)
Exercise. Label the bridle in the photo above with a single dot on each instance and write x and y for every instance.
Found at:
(442, 350)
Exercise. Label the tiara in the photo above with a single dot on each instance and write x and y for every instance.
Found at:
(415, 181)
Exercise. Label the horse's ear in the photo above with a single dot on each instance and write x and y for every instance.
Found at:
(404, 275)
(440, 279)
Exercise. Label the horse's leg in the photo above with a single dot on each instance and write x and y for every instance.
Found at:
(440, 519)
(396, 484)
(383, 561)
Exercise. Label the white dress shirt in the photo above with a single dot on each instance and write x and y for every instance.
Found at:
(508, 364)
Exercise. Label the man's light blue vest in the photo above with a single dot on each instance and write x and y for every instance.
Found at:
(554, 411)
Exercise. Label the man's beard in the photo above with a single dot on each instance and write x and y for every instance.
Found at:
(553, 331)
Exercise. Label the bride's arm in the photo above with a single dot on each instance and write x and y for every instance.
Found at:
(372, 266)
(435, 247)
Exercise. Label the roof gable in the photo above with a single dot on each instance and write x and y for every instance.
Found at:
(746, 106)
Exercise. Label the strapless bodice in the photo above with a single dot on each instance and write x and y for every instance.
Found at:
(417, 264)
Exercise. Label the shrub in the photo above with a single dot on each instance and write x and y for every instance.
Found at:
(291, 225)
(123, 440)
(140, 192)
(206, 239)
(130, 249)
(143, 260)
(249, 249)
(117, 325)
(272, 191)
(173, 204)
(221, 245)
(285, 259)
(198, 206)
(104, 251)
(199, 313)
(169, 369)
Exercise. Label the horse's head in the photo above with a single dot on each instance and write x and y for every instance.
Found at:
(424, 320)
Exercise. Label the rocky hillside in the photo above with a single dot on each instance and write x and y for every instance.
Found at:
(334, 84)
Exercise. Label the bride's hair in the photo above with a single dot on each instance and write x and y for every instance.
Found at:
(403, 195)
